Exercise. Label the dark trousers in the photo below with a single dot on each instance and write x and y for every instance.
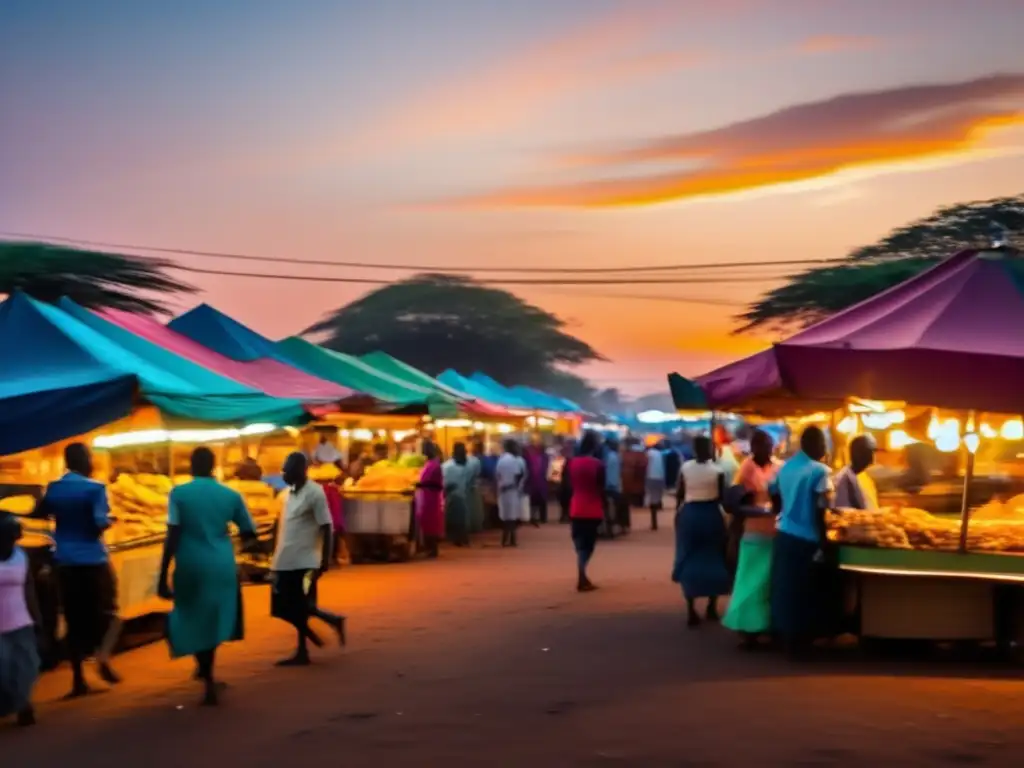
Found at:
(584, 539)
(88, 595)
(508, 533)
(538, 510)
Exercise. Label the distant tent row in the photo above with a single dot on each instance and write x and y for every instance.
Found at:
(68, 370)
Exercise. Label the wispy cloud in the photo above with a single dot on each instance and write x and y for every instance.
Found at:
(795, 144)
(821, 44)
(518, 87)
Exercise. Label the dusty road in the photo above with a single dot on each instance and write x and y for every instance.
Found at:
(489, 657)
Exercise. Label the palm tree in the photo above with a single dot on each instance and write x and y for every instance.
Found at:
(91, 278)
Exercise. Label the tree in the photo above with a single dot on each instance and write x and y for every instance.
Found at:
(816, 293)
(90, 278)
(434, 322)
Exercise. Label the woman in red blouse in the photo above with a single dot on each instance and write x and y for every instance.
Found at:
(586, 510)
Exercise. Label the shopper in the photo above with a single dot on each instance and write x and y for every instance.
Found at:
(801, 497)
(700, 533)
(634, 473)
(304, 541)
(753, 528)
(618, 508)
(430, 501)
(207, 596)
(19, 617)
(88, 591)
(587, 506)
(537, 462)
(564, 483)
(476, 499)
(509, 478)
(655, 483)
(458, 479)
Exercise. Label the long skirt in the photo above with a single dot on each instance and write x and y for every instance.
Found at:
(700, 550)
(19, 668)
(476, 510)
(806, 602)
(654, 492)
(750, 606)
(456, 518)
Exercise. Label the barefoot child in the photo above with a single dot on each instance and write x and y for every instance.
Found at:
(19, 655)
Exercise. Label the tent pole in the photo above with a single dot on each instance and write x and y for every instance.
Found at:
(965, 519)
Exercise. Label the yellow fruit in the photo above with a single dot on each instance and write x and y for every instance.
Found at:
(18, 505)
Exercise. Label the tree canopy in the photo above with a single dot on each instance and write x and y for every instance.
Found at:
(816, 293)
(93, 279)
(434, 322)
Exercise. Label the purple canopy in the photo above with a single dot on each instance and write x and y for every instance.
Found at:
(949, 337)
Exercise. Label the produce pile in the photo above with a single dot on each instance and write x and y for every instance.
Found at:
(260, 499)
(907, 528)
(138, 507)
(388, 476)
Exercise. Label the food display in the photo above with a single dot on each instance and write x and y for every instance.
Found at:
(386, 477)
(138, 508)
(907, 528)
(260, 499)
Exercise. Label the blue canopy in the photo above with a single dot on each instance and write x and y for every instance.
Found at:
(51, 387)
(64, 375)
(531, 398)
(480, 391)
(215, 330)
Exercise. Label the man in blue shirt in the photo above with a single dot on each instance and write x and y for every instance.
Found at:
(800, 583)
(80, 511)
(619, 509)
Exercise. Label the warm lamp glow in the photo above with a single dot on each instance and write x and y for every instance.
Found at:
(1012, 430)
(971, 441)
(898, 439)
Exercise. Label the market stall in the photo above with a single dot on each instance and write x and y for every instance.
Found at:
(934, 368)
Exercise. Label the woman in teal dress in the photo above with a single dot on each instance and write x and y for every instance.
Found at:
(458, 485)
(206, 593)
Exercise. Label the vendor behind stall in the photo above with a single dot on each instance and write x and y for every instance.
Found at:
(854, 487)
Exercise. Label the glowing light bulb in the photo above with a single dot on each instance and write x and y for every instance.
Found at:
(1012, 430)
(971, 441)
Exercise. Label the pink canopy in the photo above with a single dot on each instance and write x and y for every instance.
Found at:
(948, 337)
(269, 376)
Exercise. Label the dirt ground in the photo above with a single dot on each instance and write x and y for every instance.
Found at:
(490, 657)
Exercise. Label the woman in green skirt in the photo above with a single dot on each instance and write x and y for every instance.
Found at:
(749, 611)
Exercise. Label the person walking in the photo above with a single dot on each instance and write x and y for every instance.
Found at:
(587, 508)
(634, 473)
(19, 617)
(537, 463)
(205, 590)
(303, 554)
(618, 508)
(430, 501)
(476, 500)
(80, 511)
(700, 567)
(564, 484)
(753, 528)
(458, 478)
(654, 485)
(509, 478)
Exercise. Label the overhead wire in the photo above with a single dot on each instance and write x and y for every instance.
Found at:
(84, 242)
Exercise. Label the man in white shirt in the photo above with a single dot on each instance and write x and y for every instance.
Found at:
(655, 482)
(510, 475)
(325, 452)
(305, 536)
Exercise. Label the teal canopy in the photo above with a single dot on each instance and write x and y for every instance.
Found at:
(48, 349)
(215, 330)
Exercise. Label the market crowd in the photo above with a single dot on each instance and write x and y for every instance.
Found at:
(745, 525)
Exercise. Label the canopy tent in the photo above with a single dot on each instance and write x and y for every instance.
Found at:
(215, 330)
(382, 361)
(480, 391)
(948, 337)
(52, 388)
(63, 378)
(351, 371)
(531, 398)
(269, 376)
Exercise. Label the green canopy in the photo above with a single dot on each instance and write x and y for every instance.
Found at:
(361, 376)
(384, 362)
(686, 394)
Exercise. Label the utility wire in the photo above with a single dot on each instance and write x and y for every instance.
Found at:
(53, 239)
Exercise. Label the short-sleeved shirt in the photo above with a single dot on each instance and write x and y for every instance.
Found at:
(799, 483)
(509, 473)
(81, 513)
(757, 479)
(303, 513)
(613, 471)
(655, 465)
(855, 491)
(701, 480)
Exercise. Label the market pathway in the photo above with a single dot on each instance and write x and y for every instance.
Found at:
(489, 657)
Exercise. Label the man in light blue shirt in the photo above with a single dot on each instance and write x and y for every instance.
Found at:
(80, 511)
(618, 509)
(801, 586)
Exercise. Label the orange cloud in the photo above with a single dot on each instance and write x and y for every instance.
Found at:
(799, 143)
(837, 43)
(518, 87)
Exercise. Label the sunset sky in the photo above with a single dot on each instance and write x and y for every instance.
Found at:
(534, 133)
